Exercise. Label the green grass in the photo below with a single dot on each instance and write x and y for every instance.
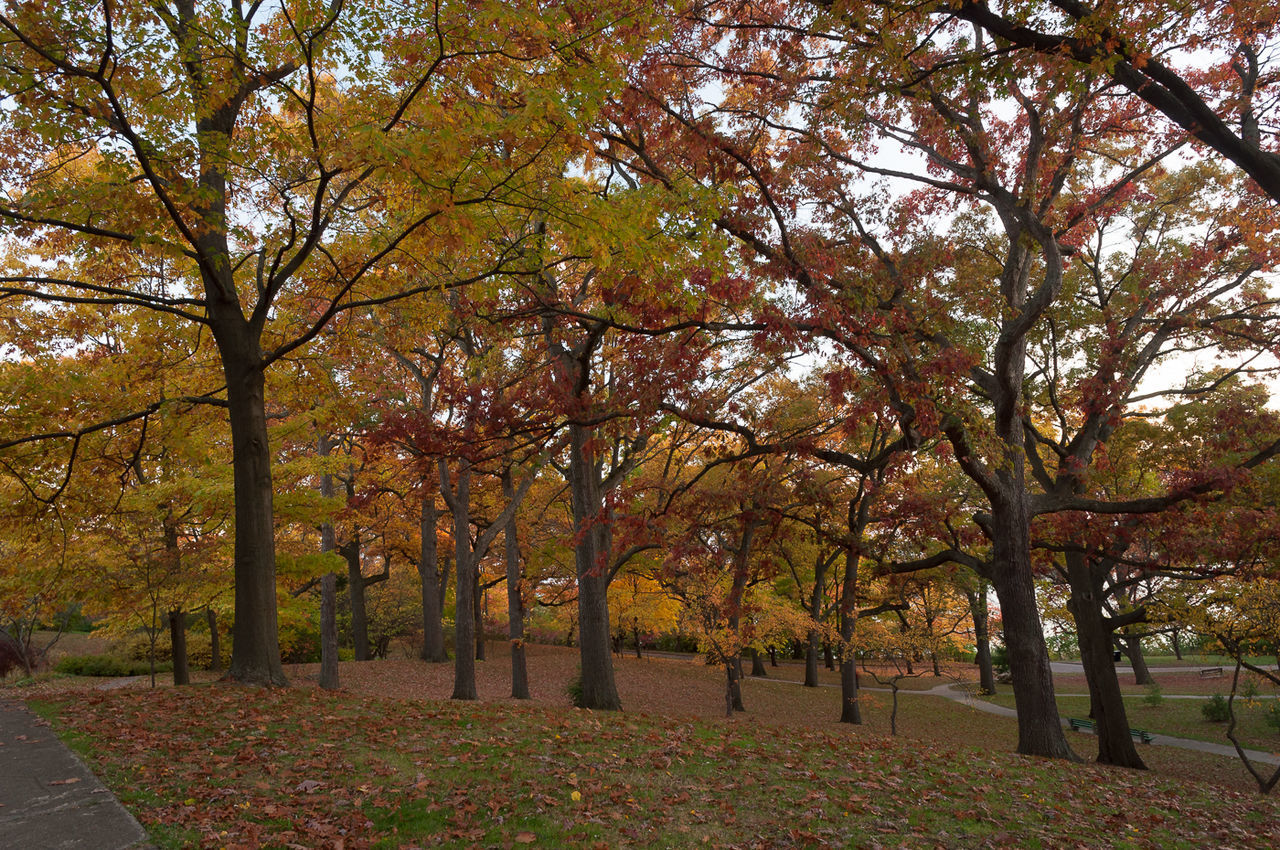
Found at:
(1179, 717)
(306, 768)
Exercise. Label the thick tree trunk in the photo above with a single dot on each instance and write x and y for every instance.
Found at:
(982, 637)
(215, 641)
(1115, 744)
(1039, 725)
(350, 552)
(757, 664)
(178, 639)
(255, 639)
(1174, 638)
(599, 691)
(433, 648)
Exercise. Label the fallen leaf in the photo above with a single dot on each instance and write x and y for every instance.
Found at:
(525, 838)
(72, 781)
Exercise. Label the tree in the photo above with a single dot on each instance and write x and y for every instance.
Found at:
(247, 148)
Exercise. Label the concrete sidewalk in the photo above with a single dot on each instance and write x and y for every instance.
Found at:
(48, 799)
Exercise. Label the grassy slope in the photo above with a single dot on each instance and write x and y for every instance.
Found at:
(223, 766)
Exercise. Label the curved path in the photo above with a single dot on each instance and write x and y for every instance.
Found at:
(958, 693)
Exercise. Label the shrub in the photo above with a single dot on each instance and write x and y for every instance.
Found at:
(108, 665)
(1272, 715)
(1154, 696)
(137, 647)
(1000, 658)
(1216, 710)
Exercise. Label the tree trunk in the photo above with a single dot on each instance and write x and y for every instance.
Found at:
(350, 552)
(464, 632)
(178, 638)
(1131, 646)
(255, 639)
(850, 711)
(599, 691)
(515, 599)
(477, 614)
(811, 660)
(981, 625)
(215, 641)
(1039, 726)
(433, 648)
(1175, 639)
(329, 631)
(828, 657)
(773, 656)
(757, 664)
(1115, 744)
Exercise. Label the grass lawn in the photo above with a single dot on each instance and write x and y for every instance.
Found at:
(218, 765)
(389, 762)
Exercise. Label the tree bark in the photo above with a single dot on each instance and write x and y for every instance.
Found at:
(215, 640)
(1039, 725)
(464, 630)
(433, 586)
(329, 631)
(982, 637)
(757, 664)
(477, 614)
(255, 640)
(811, 659)
(850, 710)
(515, 599)
(1131, 646)
(178, 639)
(1115, 744)
(350, 552)
(599, 692)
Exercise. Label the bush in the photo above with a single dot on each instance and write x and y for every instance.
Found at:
(137, 647)
(1272, 715)
(108, 665)
(1154, 696)
(1000, 659)
(1216, 709)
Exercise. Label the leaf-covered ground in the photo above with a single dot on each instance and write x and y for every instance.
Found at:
(389, 763)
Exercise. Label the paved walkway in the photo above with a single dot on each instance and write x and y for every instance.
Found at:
(49, 800)
(960, 694)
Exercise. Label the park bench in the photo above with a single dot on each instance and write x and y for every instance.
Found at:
(1079, 725)
(1211, 673)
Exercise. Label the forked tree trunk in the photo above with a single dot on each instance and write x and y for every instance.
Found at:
(1115, 744)
(329, 631)
(433, 648)
(178, 639)
(350, 552)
